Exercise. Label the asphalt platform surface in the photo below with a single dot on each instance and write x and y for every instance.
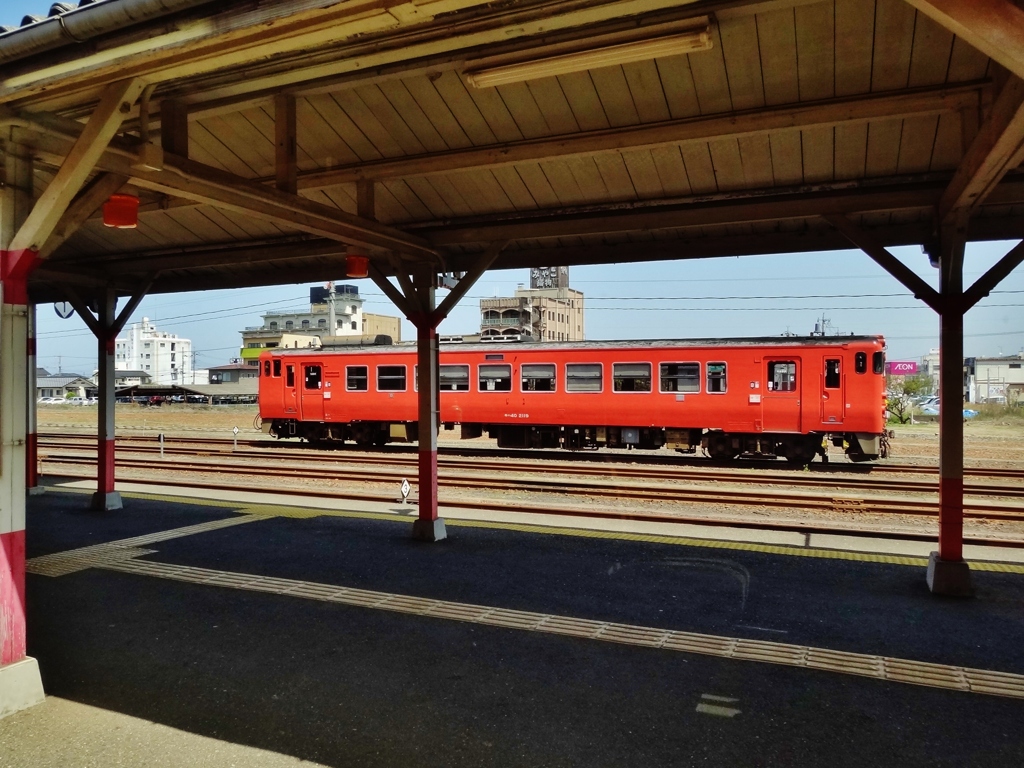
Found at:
(219, 675)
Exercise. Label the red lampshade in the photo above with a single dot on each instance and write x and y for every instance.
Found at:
(356, 266)
(121, 211)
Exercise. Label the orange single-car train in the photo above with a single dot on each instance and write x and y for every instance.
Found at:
(785, 396)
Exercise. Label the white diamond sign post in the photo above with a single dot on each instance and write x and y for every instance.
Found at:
(235, 431)
(405, 491)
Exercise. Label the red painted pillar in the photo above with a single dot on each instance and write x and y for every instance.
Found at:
(428, 526)
(106, 498)
(948, 573)
(20, 683)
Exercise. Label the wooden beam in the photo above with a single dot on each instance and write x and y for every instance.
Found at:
(106, 119)
(287, 144)
(994, 27)
(91, 199)
(405, 306)
(1000, 270)
(887, 261)
(851, 110)
(468, 280)
(997, 148)
(204, 184)
(366, 203)
(174, 127)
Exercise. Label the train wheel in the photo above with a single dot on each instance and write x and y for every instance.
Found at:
(720, 447)
(801, 452)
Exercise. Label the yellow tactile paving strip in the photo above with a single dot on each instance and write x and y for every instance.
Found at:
(122, 556)
(879, 667)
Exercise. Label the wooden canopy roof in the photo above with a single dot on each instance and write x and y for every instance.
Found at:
(293, 132)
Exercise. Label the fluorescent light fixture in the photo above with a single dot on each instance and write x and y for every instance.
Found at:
(624, 53)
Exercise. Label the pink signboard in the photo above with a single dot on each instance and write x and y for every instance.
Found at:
(901, 368)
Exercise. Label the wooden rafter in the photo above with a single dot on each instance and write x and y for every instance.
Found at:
(79, 163)
(998, 148)
(830, 112)
(994, 27)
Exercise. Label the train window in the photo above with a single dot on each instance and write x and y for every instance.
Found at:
(716, 377)
(878, 362)
(538, 377)
(495, 378)
(289, 379)
(454, 378)
(782, 376)
(357, 378)
(680, 377)
(583, 377)
(314, 377)
(266, 367)
(277, 368)
(391, 378)
(860, 362)
(631, 377)
(831, 374)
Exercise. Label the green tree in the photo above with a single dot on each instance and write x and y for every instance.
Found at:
(901, 391)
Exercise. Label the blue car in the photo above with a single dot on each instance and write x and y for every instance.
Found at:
(932, 409)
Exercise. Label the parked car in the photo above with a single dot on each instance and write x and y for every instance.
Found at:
(51, 400)
(932, 409)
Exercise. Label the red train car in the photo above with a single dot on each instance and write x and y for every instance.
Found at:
(769, 396)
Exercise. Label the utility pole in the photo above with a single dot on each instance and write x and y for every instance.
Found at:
(332, 318)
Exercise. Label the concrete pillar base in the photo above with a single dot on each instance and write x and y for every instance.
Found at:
(948, 577)
(21, 686)
(106, 502)
(429, 530)
(37, 490)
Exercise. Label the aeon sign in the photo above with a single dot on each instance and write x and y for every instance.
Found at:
(901, 368)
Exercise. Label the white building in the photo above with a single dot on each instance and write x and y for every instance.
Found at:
(164, 357)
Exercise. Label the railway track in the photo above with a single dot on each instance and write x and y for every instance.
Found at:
(989, 502)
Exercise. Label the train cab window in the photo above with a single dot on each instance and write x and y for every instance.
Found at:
(831, 374)
(680, 377)
(314, 377)
(631, 377)
(716, 377)
(583, 377)
(391, 378)
(266, 367)
(782, 376)
(495, 378)
(878, 362)
(538, 377)
(357, 378)
(289, 379)
(454, 378)
(860, 362)
(277, 369)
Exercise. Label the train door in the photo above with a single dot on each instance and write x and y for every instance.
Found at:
(291, 400)
(833, 395)
(312, 392)
(780, 402)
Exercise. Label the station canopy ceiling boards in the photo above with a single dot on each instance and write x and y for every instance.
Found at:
(267, 139)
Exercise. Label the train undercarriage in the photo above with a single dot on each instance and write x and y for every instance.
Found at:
(718, 445)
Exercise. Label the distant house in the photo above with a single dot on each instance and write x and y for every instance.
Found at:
(64, 386)
(232, 373)
(130, 378)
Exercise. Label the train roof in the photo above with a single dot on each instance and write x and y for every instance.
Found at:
(760, 341)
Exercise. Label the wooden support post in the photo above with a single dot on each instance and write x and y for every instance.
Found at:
(428, 527)
(948, 573)
(106, 498)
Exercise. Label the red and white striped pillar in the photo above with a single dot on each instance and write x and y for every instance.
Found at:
(948, 572)
(106, 498)
(20, 683)
(428, 526)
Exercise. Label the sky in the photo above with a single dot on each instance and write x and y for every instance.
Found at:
(722, 297)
